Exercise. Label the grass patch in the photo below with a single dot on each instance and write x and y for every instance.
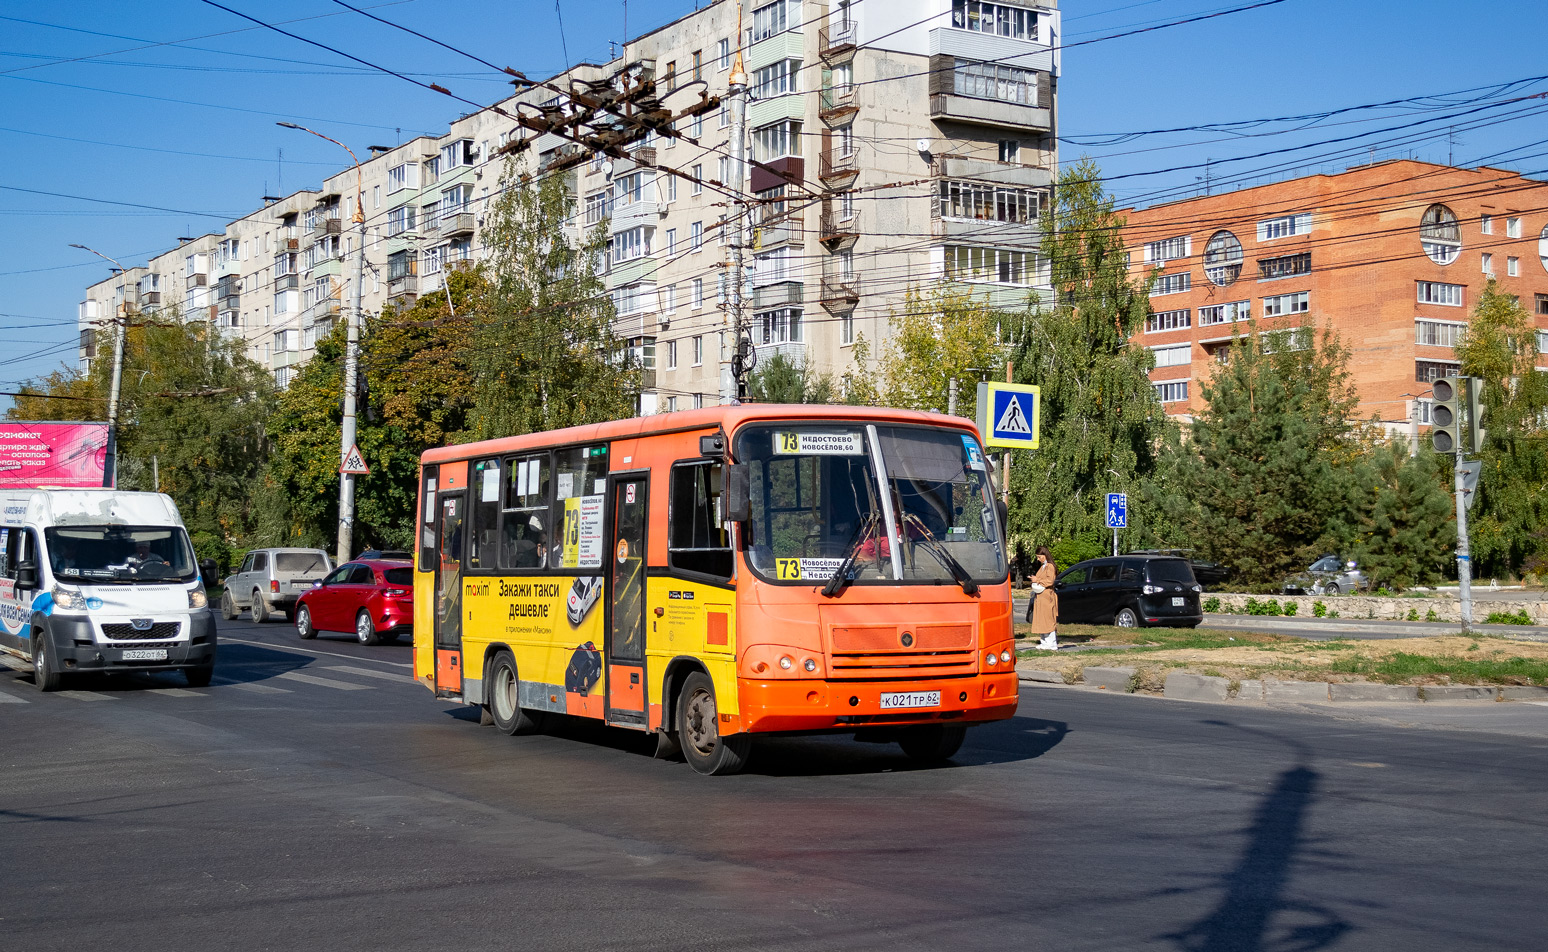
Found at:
(1401, 666)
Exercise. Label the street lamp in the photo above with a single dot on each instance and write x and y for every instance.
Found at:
(346, 539)
(110, 464)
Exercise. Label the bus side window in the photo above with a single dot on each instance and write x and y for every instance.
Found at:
(579, 472)
(427, 519)
(482, 552)
(525, 539)
(697, 538)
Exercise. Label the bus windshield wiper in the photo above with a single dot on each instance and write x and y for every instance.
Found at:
(942, 554)
(843, 574)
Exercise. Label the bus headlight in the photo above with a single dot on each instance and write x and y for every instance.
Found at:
(197, 598)
(809, 664)
(68, 599)
(992, 659)
(1005, 656)
(786, 662)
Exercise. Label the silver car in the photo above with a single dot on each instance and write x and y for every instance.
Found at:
(1328, 575)
(270, 580)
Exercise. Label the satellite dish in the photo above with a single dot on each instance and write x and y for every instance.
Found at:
(607, 169)
(923, 145)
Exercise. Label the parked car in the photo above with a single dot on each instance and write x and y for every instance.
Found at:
(1329, 575)
(373, 598)
(1207, 574)
(1130, 591)
(390, 555)
(270, 581)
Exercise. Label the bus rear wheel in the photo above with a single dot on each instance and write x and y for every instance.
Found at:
(505, 698)
(698, 731)
(932, 743)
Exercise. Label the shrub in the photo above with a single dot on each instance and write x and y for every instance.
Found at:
(1383, 592)
(1269, 607)
(1320, 608)
(1211, 605)
(1509, 618)
(1413, 614)
(1431, 615)
(1289, 608)
(1333, 613)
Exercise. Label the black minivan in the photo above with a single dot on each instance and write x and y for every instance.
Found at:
(1129, 591)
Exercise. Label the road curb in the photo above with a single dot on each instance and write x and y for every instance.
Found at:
(1183, 686)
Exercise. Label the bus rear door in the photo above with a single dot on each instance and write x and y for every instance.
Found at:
(448, 596)
(626, 625)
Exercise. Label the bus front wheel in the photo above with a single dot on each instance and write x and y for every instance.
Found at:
(505, 698)
(932, 743)
(698, 731)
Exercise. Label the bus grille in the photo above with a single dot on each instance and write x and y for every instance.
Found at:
(160, 631)
(879, 651)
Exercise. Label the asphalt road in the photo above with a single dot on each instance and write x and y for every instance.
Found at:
(314, 797)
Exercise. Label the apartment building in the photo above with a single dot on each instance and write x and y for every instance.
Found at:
(1392, 256)
(893, 145)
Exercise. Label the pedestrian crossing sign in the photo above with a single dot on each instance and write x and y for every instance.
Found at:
(1009, 414)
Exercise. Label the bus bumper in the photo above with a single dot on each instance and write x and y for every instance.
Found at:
(798, 705)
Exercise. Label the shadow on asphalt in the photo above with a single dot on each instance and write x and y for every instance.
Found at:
(234, 663)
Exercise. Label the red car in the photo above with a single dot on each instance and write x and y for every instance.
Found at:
(374, 598)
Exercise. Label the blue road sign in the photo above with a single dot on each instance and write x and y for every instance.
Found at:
(1117, 511)
(1009, 415)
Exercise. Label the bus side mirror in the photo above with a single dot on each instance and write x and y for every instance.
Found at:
(1003, 511)
(738, 492)
(26, 575)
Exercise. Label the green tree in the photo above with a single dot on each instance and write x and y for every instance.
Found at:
(779, 379)
(541, 346)
(1405, 528)
(1506, 525)
(940, 333)
(1264, 483)
(1100, 420)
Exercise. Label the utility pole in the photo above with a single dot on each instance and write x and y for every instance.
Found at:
(1464, 550)
(1005, 489)
(734, 378)
(110, 464)
(951, 397)
(346, 538)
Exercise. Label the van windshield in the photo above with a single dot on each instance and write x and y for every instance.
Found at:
(817, 498)
(112, 554)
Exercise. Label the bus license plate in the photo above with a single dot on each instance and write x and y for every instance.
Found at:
(896, 699)
(1179, 602)
(145, 654)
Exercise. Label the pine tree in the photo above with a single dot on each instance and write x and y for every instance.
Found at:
(779, 379)
(1405, 524)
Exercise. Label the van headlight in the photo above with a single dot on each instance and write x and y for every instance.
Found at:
(68, 599)
(197, 598)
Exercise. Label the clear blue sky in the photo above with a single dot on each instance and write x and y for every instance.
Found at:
(188, 123)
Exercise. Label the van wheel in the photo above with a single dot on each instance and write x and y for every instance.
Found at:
(304, 624)
(698, 731)
(932, 743)
(505, 698)
(199, 676)
(228, 609)
(260, 610)
(44, 674)
(1126, 618)
(365, 629)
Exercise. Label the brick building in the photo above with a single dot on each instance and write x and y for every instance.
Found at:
(1392, 256)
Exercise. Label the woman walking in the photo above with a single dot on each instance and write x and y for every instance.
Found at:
(1043, 611)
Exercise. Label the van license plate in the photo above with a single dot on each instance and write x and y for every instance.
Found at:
(896, 699)
(1179, 602)
(145, 654)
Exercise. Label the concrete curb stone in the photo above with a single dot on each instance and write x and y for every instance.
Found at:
(1110, 679)
(1033, 674)
(1196, 687)
(1460, 692)
(1372, 692)
(1250, 690)
(1523, 694)
(1295, 690)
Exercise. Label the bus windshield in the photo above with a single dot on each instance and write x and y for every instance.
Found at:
(818, 501)
(110, 554)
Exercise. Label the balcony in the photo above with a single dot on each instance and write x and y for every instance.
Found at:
(403, 289)
(834, 166)
(837, 103)
(229, 302)
(460, 223)
(785, 229)
(292, 244)
(325, 310)
(838, 226)
(328, 226)
(779, 294)
(836, 38)
(287, 282)
(198, 280)
(149, 299)
(840, 293)
(228, 319)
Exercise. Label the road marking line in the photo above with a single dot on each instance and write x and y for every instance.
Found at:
(384, 675)
(175, 692)
(255, 688)
(323, 682)
(303, 651)
(86, 696)
(11, 699)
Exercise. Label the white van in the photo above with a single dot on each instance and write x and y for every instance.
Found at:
(97, 580)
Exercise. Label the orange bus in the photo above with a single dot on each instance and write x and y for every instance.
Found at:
(716, 574)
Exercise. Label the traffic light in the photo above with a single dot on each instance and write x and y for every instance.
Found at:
(1475, 415)
(1446, 432)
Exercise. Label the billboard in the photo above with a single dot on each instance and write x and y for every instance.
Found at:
(54, 455)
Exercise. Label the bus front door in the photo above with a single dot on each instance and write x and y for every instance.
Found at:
(448, 596)
(629, 495)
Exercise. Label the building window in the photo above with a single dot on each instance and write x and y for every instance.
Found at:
(698, 179)
(1179, 356)
(1172, 391)
(777, 79)
(772, 268)
(669, 302)
(979, 202)
(287, 341)
(1223, 259)
(1429, 371)
(671, 355)
(698, 293)
(1486, 263)
(401, 219)
(777, 140)
(1433, 292)
(1168, 249)
(1542, 342)
(400, 265)
(1542, 304)
(1168, 321)
(283, 376)
(696, 236)
(1282, 304)
(1486, 224)
(782, 326)
(723, 50)
(1512, 228)
(1284, 266)
(1437, 333)
(995, 81)
(998, 19)
(1284, 226)
(404, 176)
(634, 298)
(1225, 313)
(773, 18)
(1010, 150)
(455, 155)
(698, 351)
(847, 328)
(633, 243)
(431, 260)
(1512, 266)
(630, 189)
(1172, 284)
(965, 263)
(1439, 234)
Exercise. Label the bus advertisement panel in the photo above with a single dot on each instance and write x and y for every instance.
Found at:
(714, 575)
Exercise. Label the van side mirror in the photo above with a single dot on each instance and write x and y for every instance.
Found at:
(26, 575)
(208, 572)
(738, 492)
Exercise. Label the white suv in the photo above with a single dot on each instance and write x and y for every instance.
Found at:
(270, 581)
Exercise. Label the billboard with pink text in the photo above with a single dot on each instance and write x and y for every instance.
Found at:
(53, 455)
